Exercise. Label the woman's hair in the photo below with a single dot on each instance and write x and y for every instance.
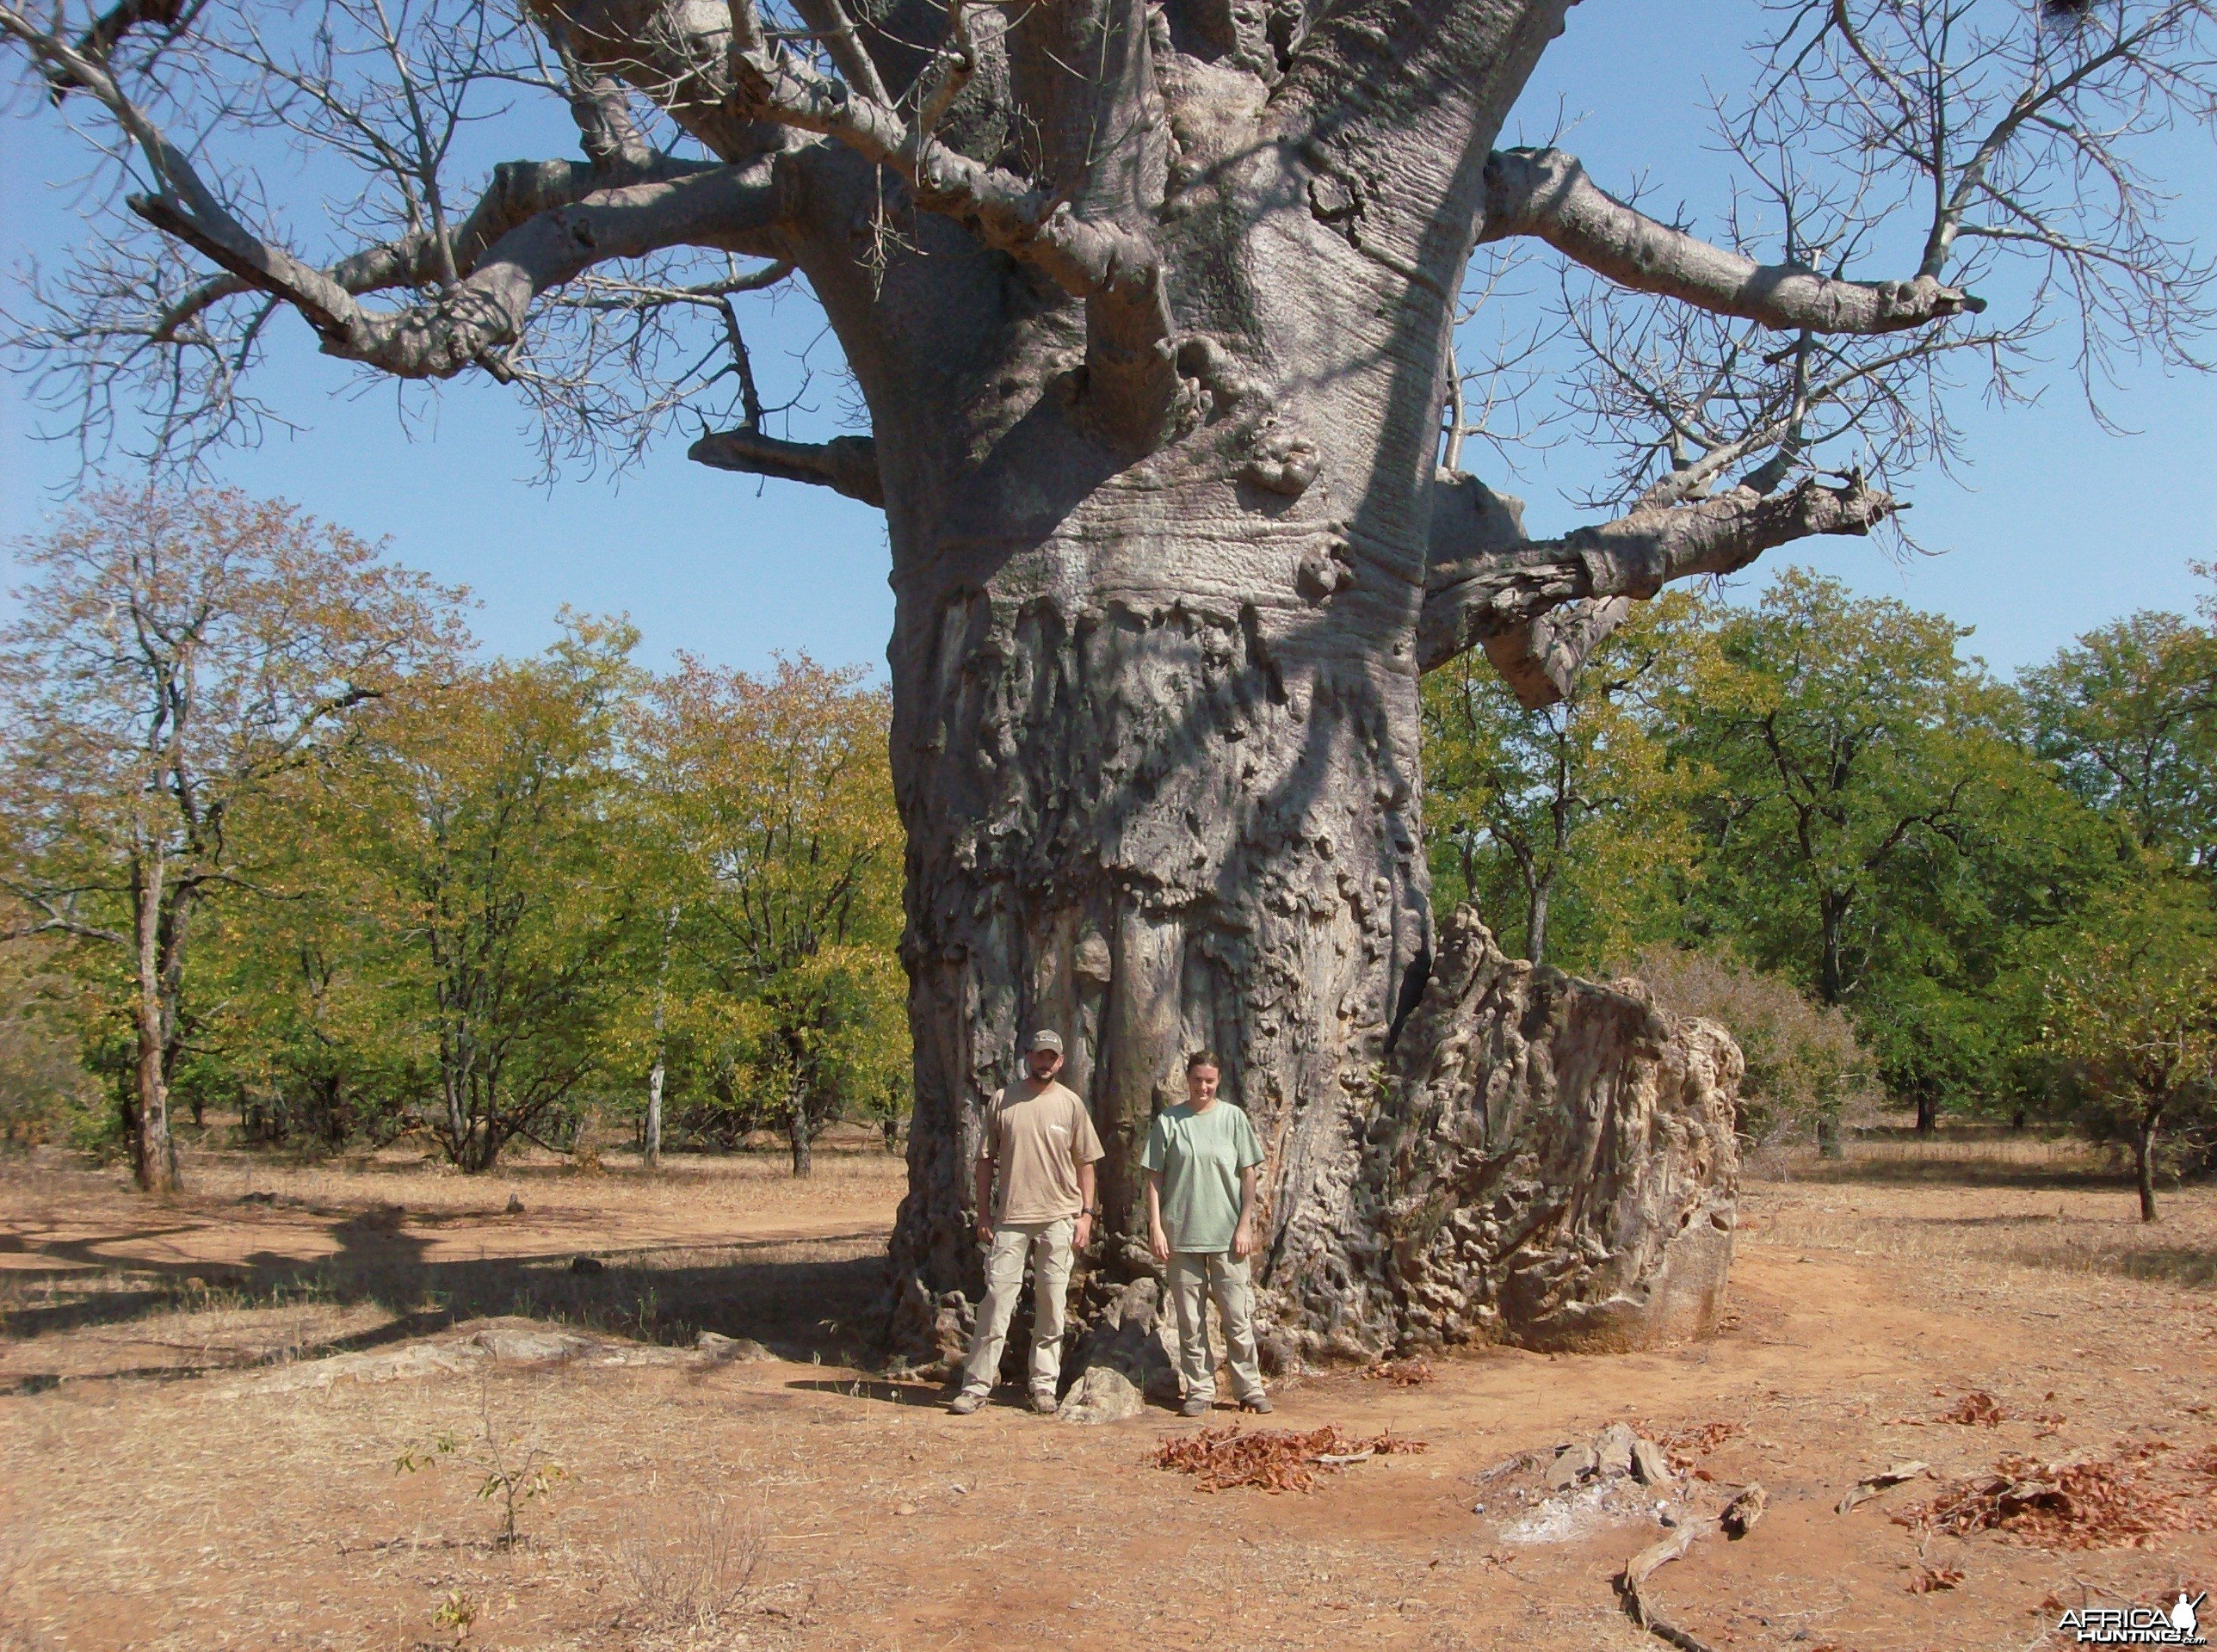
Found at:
(1203, 1058)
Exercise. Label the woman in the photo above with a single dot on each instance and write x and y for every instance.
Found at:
(1201, 1160)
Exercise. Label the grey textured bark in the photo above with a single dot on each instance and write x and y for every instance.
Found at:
(1156, 732)
(1553, 1162)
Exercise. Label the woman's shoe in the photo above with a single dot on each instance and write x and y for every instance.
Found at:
(1258, 1403)
(1196, 1407)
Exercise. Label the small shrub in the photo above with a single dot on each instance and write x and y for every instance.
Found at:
(513, 1471)
(1804, 1064)
(45, 1093)
(691, 1569)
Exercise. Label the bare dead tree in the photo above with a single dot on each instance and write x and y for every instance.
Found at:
(1150, 306)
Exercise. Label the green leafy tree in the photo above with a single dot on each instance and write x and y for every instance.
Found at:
(1565, 820)
(1824, 722)
(777, 793)
(316, 1035)
(178, 654)
(1872, 828)
(482, 820)
(2128, 716)
(2131, 1005)
(45, 1089)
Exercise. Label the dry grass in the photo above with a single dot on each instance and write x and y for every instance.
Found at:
(1994, 1199)
(262, 1262)
(691, 1567)
(757, 1183)
(805, 1507)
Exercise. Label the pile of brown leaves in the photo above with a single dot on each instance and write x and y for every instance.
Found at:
(2114, 1502)
(1402, 1373)
(1976, 1408)
(1979, 1409)
(1272, 1459)
(1682, 1445)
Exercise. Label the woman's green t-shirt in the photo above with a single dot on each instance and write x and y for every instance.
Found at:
(1201, 1156)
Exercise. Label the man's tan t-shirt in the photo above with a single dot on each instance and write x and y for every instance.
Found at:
(1037, 1142)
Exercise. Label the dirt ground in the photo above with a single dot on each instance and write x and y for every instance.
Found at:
(177, 1470)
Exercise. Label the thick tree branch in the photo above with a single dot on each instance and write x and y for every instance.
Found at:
(1116, 270)
(1007, 211)
(1546, 194)
(846, 465)
(717, 208)
(1489, 585)
(520, 190)
(1540, 660)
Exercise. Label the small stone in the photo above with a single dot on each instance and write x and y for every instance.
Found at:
(1613, 1450)
(731, 1350)
(588, 1264)
(514, 1205)
(1649, 1464)
(1102, 1394)
(1572, 1464)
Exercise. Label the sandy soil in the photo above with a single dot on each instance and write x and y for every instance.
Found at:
(163, 1485)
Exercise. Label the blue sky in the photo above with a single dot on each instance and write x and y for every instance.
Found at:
(2054, 528)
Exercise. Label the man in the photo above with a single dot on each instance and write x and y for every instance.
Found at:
(1201, 1160)
(1041, 1140)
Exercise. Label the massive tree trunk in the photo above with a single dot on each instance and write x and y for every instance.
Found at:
(1156, 737)
(1149, 305)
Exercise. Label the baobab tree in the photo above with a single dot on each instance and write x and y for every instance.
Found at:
(1151, 306)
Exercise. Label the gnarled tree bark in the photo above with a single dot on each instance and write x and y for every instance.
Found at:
(1151, 306)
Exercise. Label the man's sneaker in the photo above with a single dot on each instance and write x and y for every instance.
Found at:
(1195, 1407)
(1258, 1403)
(1042, 1403)
(963, 1404)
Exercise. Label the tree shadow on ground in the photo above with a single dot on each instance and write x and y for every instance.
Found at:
(804, 1300)
(866, 1388)
(1965, 1172)
(2195, 1267)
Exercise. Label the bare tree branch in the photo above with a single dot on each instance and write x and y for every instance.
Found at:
(1486, 580)
(1546, 194)
(846, 465)
(464, 325)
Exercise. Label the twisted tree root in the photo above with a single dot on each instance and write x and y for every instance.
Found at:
(1736, 1519)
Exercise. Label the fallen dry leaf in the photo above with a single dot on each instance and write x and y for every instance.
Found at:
(1271, 1459)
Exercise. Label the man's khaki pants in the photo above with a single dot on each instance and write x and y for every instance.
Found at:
(1048, 1244)
(1196, 1275)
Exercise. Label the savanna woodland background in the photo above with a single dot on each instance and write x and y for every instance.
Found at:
(284, 850)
